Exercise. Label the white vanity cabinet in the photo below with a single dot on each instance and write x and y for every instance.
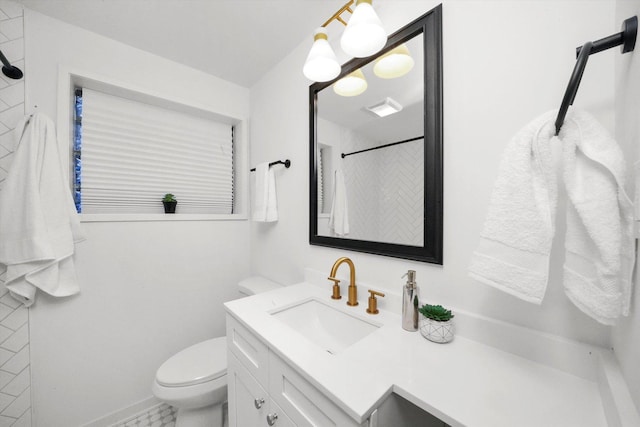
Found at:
(301, 401)
(249, 403)
(247, 362)
(265, 391)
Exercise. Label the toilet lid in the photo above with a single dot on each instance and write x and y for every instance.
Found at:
(197, 364)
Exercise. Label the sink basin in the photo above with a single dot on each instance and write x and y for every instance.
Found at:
(331, 329)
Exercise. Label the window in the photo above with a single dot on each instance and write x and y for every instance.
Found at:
(127, 155)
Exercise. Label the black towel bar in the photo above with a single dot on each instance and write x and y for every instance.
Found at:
(286, 163)
(626, 38)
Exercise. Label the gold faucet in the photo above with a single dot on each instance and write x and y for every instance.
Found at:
(353, 291)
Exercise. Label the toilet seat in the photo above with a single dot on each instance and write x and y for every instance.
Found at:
(197, 364)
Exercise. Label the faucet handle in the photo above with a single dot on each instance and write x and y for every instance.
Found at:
(373, 302)
(336, 288)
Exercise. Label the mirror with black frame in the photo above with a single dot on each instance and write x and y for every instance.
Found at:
(376, 155)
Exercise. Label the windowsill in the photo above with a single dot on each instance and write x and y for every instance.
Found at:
(159, 217)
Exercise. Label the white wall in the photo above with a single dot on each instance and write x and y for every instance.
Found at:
(15, 390)
(149, 289)
(626, 335)
(505, 63)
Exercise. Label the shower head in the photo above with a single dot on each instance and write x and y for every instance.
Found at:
(12, 72)
(9, 70)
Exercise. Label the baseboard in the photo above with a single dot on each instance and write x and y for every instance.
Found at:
(616, 399)
(125, 413)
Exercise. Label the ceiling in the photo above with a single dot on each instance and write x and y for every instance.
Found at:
(236, 40)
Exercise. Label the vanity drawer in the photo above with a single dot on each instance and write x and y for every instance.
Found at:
(248, 401)
(251, 352)
(304, 404)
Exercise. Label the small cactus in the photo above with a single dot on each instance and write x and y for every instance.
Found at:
(169, 198)
(436, 312)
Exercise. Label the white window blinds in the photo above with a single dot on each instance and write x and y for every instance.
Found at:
(133, 153)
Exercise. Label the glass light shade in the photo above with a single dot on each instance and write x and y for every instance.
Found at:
(364, 34)
(395, 63)
(352, 84)
(321, 64)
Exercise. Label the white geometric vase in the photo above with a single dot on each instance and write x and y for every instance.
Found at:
(440, 332)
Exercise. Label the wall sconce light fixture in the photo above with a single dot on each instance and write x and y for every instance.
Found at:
(321, 64)
(363, 36)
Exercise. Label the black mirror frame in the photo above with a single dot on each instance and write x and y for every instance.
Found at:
(430, 26)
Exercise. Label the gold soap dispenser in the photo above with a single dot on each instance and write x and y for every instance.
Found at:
(410, 302)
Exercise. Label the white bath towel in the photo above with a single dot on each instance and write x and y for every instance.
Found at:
(599, 242)
(515, 244)
(339, 217)
(38, 221)
(265, 207)
(514, 248)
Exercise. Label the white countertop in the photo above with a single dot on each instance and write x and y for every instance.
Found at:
(464, 383)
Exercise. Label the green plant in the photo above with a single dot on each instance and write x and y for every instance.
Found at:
(436, 312)
(169, 198)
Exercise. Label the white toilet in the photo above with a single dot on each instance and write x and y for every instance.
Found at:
(195, 379)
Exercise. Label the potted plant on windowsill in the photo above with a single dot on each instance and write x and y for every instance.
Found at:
(435, 323)
(169, 201)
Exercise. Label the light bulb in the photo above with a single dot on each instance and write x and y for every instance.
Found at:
(352, 84)
(395, 63)
(321, 64)
(364, 34)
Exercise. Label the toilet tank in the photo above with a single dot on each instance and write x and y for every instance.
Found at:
(255, 285)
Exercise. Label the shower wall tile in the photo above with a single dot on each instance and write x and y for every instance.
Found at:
(5, 311)
(24, 420)
(12, 29)
(9, 301)
(10, 116)
(7, 144)
(15, 320)
(18, 384)
(10, 9)
(18, 407)
(15, 373)
(18, 340)
(5, 356)
(5, 378)
(5, 401)
(18, 362)
(13, 95)
(14, 51)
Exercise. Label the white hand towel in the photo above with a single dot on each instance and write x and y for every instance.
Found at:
(265, 207)
(599, 242)
(38, 221)
(339, 217)
(514, 248)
